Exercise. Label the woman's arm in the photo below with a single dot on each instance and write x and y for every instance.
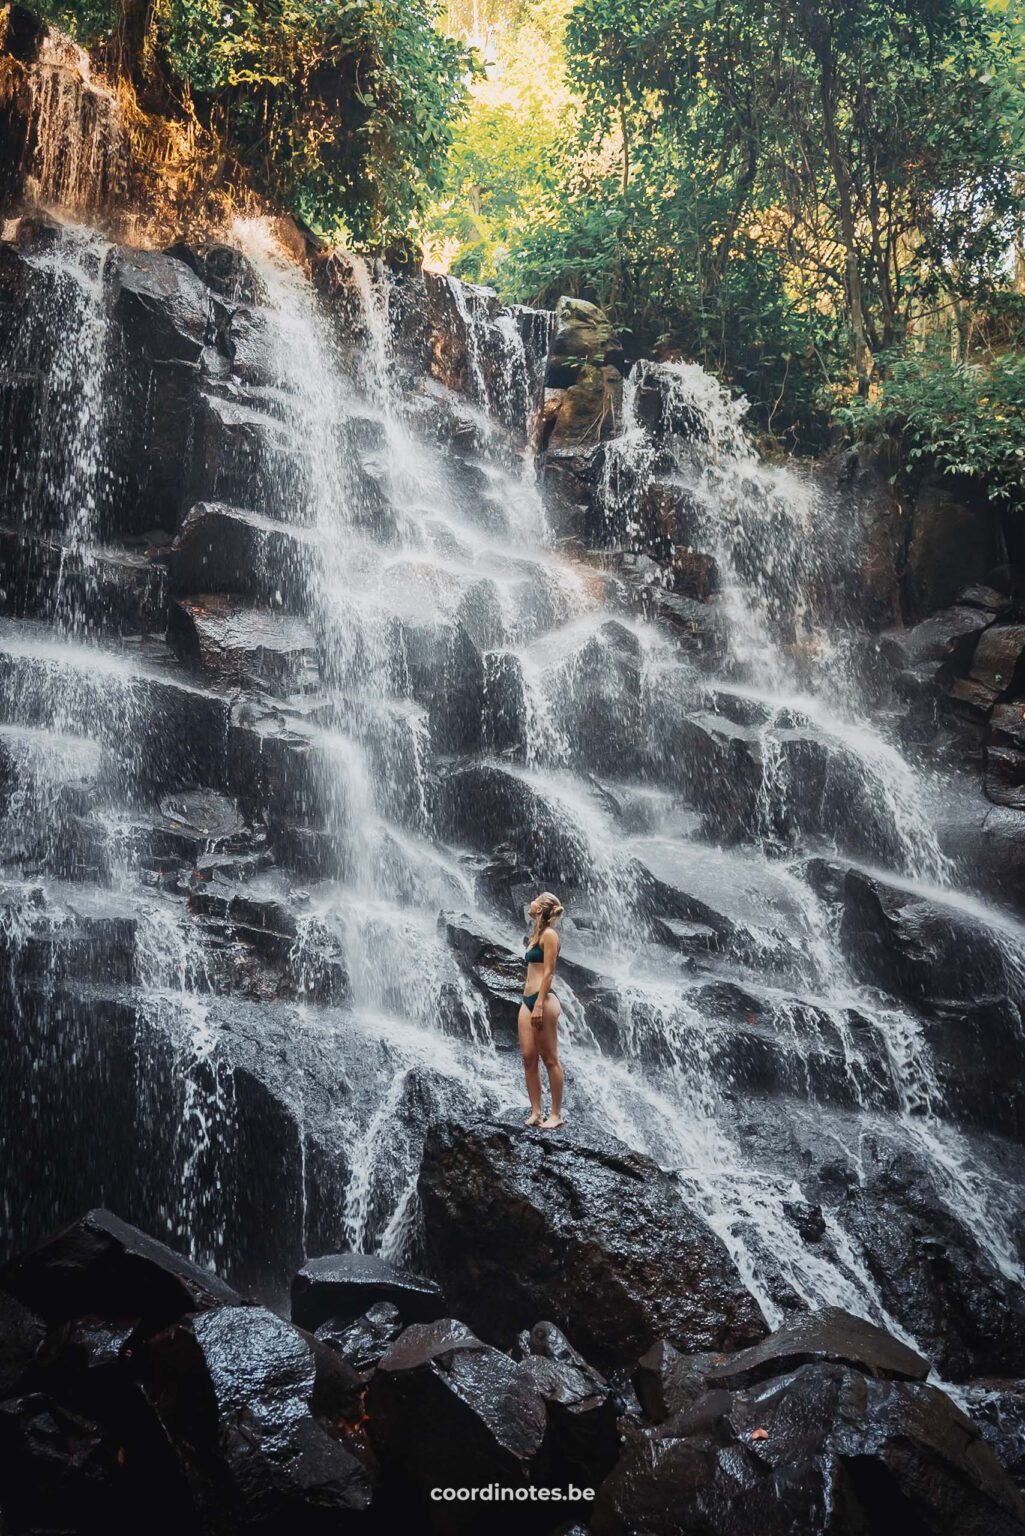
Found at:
(550, 945)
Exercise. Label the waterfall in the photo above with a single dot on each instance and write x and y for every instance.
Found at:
(75, 134)
(430, 557)
(391, 707)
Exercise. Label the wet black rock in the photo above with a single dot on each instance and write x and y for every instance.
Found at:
(820, 1449)
(927, 953)
(21, 1334)
(495, 972)
(828, 1334)
(61, 1472)
(517, 1225)
(363, 1341)
(224, 636)
(997, 669)
(997, 1406)
(601, 690)
(484, 804)
(225, 549)
(582, 1407)
(102, 1265)
(1004, 763)
(340, 1286)
(164, 306)
(667, 1381)
(955, 1296)
(256, 1413)
(449, 1411)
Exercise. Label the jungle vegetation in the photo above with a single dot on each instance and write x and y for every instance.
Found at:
(823, 202)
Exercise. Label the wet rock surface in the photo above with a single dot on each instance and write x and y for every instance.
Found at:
(242, 1421)
(518, 1225)
(150, 1378)
(341, 1286)
(821, 1448)
(243, 853)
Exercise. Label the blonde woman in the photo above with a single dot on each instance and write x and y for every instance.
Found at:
(540, 1011)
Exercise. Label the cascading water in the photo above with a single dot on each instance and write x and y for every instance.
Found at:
(75, 130)
(471, 712)
(361, 596)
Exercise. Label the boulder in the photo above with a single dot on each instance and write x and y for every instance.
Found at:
(582, 334)
(1004, 761)
(585, 412)
(445, 673)
(244, 645)
(820, 1449)
(166, 310)
(449, 1411)
(261, 1418)
(224, 549)
(666, 1381)
(581, 1407)
(600, 694)
(954, 541)
(102, 1265)
(517, 1225)
(929, 954)
(21, 1335)
(947, 638)
(362, 1342)
(484, 805)
(496, 973)
(828, 1334)
(997, 669)
(341, 1286)
(936, 1266)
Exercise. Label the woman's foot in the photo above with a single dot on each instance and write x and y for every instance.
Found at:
(551, 1123)
(534, 1119)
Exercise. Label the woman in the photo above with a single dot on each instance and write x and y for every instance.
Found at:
(540, 1010)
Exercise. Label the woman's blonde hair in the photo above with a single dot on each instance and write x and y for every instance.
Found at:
(551, 910)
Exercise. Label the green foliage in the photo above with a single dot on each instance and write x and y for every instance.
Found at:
(84, 20)
(644, 254)
(342, 108)
(957, 418)
(779, 188)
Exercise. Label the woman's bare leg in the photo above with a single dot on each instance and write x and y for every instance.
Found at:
(531, 1067)
(548, 1047)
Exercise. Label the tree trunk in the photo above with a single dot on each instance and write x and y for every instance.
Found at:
(624, 128)
(820, 37)
(743, 186)
(135, 48)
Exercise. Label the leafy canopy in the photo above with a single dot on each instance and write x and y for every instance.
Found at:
(342, 108)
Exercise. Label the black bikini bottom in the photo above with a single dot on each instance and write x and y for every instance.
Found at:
(528, 1002)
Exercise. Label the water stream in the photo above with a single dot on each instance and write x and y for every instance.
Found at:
(416, 566)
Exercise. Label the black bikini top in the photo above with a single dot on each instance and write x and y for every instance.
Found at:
(533, 954)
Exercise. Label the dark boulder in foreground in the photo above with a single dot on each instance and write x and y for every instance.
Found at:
(525, 1226)
(447, 1411)
(243, 1398)
(581, 1407)
(102, 1265)
(820, 1449)
(165, 1403)
(830, 1334)
(340, 1286)
(140, 1392)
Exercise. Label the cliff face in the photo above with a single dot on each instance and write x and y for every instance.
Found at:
(325, 641)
